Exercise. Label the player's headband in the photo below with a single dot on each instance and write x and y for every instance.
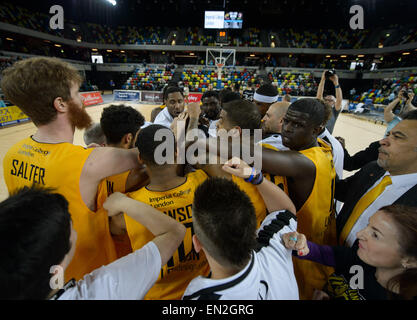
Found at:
(266, 99)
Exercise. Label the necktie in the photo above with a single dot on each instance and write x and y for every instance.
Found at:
(361, 206)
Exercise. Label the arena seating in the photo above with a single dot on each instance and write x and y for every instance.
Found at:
(148, 79)
(252, 37)
(199, 80)
(302, 84)
(382, 89)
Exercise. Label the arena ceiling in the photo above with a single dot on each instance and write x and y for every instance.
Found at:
(257, 13)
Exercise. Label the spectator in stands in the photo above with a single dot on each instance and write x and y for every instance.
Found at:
(390, 117)
(334, 102)
(174, 101)
(266, 95)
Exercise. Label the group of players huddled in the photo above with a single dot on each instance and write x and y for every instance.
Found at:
(111, 221)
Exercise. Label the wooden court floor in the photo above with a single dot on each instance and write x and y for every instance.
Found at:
(358, 134)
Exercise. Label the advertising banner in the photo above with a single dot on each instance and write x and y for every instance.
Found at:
(152, 96)
(194, 97)
(11, 115)
(92, 98)
(127, 95)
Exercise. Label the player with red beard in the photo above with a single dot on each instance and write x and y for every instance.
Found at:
(47, 90)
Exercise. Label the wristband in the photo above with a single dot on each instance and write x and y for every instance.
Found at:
(251, 175)
(338, 86)
(258, 179)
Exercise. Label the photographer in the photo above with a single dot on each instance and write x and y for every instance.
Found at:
(405, 99)
(334, 102)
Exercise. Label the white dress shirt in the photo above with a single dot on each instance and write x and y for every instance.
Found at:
(400, 185)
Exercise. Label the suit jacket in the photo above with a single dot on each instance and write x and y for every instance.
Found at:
(361, 158)
(351, 189)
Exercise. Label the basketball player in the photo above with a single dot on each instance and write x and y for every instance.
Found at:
(47, 90)
(94, 136)
(242, 266)
(37, 234)
(172, 194)
(310, 175)
(272, 126)
(210, 108)
(266, 95)
(120, 125)
(174, 101)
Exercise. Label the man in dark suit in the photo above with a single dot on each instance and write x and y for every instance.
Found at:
(391, 179)
(360, 158)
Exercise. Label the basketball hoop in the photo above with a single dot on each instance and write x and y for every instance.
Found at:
(219, 65)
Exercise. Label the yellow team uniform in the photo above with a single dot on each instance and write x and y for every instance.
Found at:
(254, 196)
(279, 181)
(59, 166)
(109, 185)
(316, 219)
(185, 264)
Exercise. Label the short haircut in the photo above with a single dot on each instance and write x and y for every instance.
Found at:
(319, 113)
(410, 115)
(35, 229)
(172, 89)
(147, 144)
(118, 120)
(211, 93)
(243, 113)
(224, 221)
(287, 97)
(94, 134)
(33, 84)
(230, 96)
(267, 90)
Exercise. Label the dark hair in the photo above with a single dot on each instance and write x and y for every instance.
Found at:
(94, 134)
(35, 229)
(405, 219)
(267, 90)
(172, 89)
(224, 221)
(243, 114)
(319, 113)
(211, 93)
(119, 120)
(147, 144)
(410, 115)
(229, 96)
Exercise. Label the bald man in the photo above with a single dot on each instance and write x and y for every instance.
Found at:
(272, 125)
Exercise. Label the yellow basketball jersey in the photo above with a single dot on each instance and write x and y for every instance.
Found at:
(254, 196)
(279, 181)
(59, 166)
(107, 186)
(185, 264)
(316, 219)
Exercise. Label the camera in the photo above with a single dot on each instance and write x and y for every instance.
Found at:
(329, 73)
(405, 94)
